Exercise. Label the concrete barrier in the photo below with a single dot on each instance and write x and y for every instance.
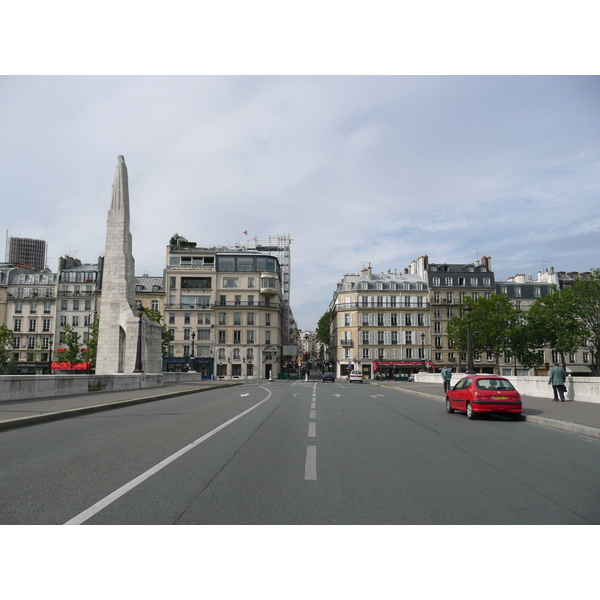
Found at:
(26, 387)
(584, 389)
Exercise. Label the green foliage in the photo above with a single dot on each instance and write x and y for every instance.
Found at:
(72, 352)
(322, 333)
(6, 361)
(167, 337)
(92, 345)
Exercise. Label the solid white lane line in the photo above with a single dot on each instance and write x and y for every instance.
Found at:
(96, 508)
(312, 429)
(310, 468)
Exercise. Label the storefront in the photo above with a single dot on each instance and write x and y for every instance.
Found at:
(399, 369)
(84, 368)
(204, 366)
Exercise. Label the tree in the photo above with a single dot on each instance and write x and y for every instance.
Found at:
(72, 354)
(91, 352)
(6, 359)
(552, 322)
(167, 336)
(322, 333)
(584, 298)
(493, 321)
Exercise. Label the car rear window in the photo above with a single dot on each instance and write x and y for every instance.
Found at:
(494, 384)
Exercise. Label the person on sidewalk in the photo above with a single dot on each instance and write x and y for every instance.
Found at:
(557, 379)
(446, 376)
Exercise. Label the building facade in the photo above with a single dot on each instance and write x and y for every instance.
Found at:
(224, 309)
(380, 325)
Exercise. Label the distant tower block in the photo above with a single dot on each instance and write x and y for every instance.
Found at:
(119, 321)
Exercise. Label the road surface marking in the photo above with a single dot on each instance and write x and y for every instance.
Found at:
(313, 405)
(310, 468)
(313, 414)
(96, 508)
(312, 429)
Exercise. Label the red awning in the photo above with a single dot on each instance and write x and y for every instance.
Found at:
(390, 364)
(65, 366)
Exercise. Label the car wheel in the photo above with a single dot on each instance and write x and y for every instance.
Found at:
(470, 414)
(449, 408)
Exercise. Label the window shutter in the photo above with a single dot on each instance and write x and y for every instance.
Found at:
(387, 337)
(387, 319)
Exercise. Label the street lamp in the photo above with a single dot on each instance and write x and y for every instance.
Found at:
(192, 356)
(422, 352)
(138, 354)
(470, 367)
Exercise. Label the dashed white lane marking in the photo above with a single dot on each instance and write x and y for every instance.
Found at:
(312, 429)
(313, 414)
(96, 508)
(313, 405)
(310, 468)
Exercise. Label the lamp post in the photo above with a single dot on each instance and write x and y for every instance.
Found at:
(470, 367)
(192, 356)
(422, 352)
(138, 354)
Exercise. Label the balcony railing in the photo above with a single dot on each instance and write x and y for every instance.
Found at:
(375, 307)
(347, 343)
(224, 304)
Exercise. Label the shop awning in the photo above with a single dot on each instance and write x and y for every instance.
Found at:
(65, 366)
(578, 369)
(391, 364)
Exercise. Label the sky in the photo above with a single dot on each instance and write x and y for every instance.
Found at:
(357, 170)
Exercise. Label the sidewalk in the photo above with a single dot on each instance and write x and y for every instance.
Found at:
(38, 410)
(578, 417)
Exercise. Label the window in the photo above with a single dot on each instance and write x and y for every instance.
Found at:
(203, 335)
(450, 297)
(366, 353)
(171, 318)
(249, 336)
(250, 318)
(237, 300)
(154, 304)
(230, 282)
(222, 337)
(237, 337)
(365, 338)
(237, 318)
(586, 357)
(236, 370)
(250, 300)
(17, 326)
(571, 357)
(251, 283)
(32, 325)
(537, 292)
(186, 334)
(474, 282)
(268, 282)
(173, 283)
(236, 354)
(63, 320)
(267, 337)
(268, 319)
(435, 281)
(75, 321)
(462, 281)
(33, 307)
(394, 319)
(75, 304)
(46, 325)
(487, 282)
(63, 305)
(448, 281)
(517, 290)
(380, 319)
(222, 318)
(408, 352)
(394, 338)
(88, 304)
(436, 297)
(408, 339)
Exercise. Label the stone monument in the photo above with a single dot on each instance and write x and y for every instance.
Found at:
(121, 326)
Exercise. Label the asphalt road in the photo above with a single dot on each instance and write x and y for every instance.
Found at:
(296, 453)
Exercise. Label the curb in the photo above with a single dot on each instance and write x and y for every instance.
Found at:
(567, 426)
(84, 410)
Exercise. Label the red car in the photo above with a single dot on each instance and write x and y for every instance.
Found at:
(478, 394)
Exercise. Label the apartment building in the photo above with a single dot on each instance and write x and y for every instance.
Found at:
(224, 308)
(380, 324)
(31, 314)
(449, 285)
(77, 304)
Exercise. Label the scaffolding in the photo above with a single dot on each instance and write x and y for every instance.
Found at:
(26, 252)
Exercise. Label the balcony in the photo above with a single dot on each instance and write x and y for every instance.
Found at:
(269, 291)
(347, 343)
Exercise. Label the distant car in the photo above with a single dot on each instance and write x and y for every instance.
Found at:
(328, 377)
(355, 376)
(480, 394)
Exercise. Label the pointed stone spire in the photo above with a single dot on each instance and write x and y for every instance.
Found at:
(120, 189)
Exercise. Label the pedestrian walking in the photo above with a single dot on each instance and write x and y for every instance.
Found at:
(446, 376)
(557, 380)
